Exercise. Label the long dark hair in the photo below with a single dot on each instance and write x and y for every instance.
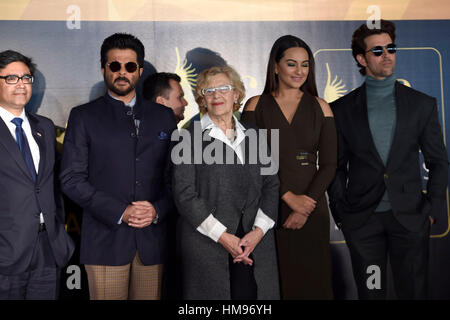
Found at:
(277, 52)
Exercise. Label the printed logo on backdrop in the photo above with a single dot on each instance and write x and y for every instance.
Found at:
(419, 68)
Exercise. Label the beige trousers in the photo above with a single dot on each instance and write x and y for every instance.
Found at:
(133, 281)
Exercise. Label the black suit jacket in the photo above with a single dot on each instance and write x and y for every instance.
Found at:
(106, 166)
(22, 200)
(362, 178)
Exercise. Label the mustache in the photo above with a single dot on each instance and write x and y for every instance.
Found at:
(122, 79)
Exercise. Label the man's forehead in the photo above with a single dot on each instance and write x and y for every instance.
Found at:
(117, 53)
(15, 67)
(378, 39)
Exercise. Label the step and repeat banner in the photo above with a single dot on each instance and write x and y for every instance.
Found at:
(186, 37)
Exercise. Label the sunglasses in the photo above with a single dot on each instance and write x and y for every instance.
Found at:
(377, 51)
(116, 66)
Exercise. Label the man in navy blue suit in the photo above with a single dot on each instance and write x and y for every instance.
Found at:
(116, 166)
(33, 243)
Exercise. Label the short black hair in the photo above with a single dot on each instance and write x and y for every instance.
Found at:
(358, 44)
(9, 56)
(158, 84)
(122, 41)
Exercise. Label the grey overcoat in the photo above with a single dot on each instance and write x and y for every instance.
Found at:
(229, 192)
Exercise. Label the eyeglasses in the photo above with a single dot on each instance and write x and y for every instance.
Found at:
(222, 89)
(13, 79)
(378, 50)
(116, 66)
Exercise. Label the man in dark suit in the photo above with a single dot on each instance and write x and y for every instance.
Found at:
(116, 166)
(33, 243)
(376, 196)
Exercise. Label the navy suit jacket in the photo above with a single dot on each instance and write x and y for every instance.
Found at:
(361, 176)
(22, 200)
(106, 166)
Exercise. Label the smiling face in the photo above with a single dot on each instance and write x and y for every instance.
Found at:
(220, 104)
(14, 97)
(293, 68)
(377, 67)
(121, 84)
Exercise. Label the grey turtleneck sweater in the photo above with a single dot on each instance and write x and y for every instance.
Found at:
(381, 109)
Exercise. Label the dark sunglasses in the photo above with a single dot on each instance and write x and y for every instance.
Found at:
(377, 51)
(116, 66)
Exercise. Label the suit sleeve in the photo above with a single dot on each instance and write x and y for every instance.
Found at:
(327, 160)
(336, 189)
(164, 205)
(270, 196)
(75, 173)
(435, 157)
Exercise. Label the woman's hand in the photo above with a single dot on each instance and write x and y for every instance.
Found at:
(299, 203)
(231, 243)
(295, 221)
(249, 242)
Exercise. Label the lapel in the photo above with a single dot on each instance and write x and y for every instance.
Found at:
(361, 122)
(401, 106)
(11, 146)
(39, 136)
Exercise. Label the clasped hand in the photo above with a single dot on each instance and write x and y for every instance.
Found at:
(301, 206)
(139, 214)
(234, 245)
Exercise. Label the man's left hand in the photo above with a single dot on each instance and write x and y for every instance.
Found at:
(147, 214)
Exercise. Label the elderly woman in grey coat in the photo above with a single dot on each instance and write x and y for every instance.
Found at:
(227, 205)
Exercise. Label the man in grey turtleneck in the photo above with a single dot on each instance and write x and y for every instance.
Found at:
(376, 197)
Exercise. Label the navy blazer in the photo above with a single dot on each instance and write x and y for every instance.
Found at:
(106, 166)
(362, 178)
(22, 200)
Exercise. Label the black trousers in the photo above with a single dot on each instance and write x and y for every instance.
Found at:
(370, 245)
(39, 282)
(242, 280)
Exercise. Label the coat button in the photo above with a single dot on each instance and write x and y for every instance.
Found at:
(129, 113)
(133, 135)
(385, 176)
(38, 189)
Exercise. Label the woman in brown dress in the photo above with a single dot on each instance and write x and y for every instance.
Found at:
(307, 133)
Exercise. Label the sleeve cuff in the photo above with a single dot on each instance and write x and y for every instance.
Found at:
(263, 221)
(212, 228)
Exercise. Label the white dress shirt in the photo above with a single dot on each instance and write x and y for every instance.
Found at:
(34, 148)
(212, 227)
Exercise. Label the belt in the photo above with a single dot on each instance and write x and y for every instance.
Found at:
(41, 227)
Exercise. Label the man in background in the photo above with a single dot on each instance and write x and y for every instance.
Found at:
(164, 88)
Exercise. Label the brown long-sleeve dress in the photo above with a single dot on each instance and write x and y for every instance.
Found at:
(303, 255)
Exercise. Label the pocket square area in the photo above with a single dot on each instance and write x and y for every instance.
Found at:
(162, 135)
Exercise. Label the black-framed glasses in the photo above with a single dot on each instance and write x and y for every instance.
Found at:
(378, 50)
(116, 66)
(222, 89)
(14, 78)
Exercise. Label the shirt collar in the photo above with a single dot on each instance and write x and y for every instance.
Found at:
(129, 104)
(216, 132)
(207, 123)
(8, 116)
